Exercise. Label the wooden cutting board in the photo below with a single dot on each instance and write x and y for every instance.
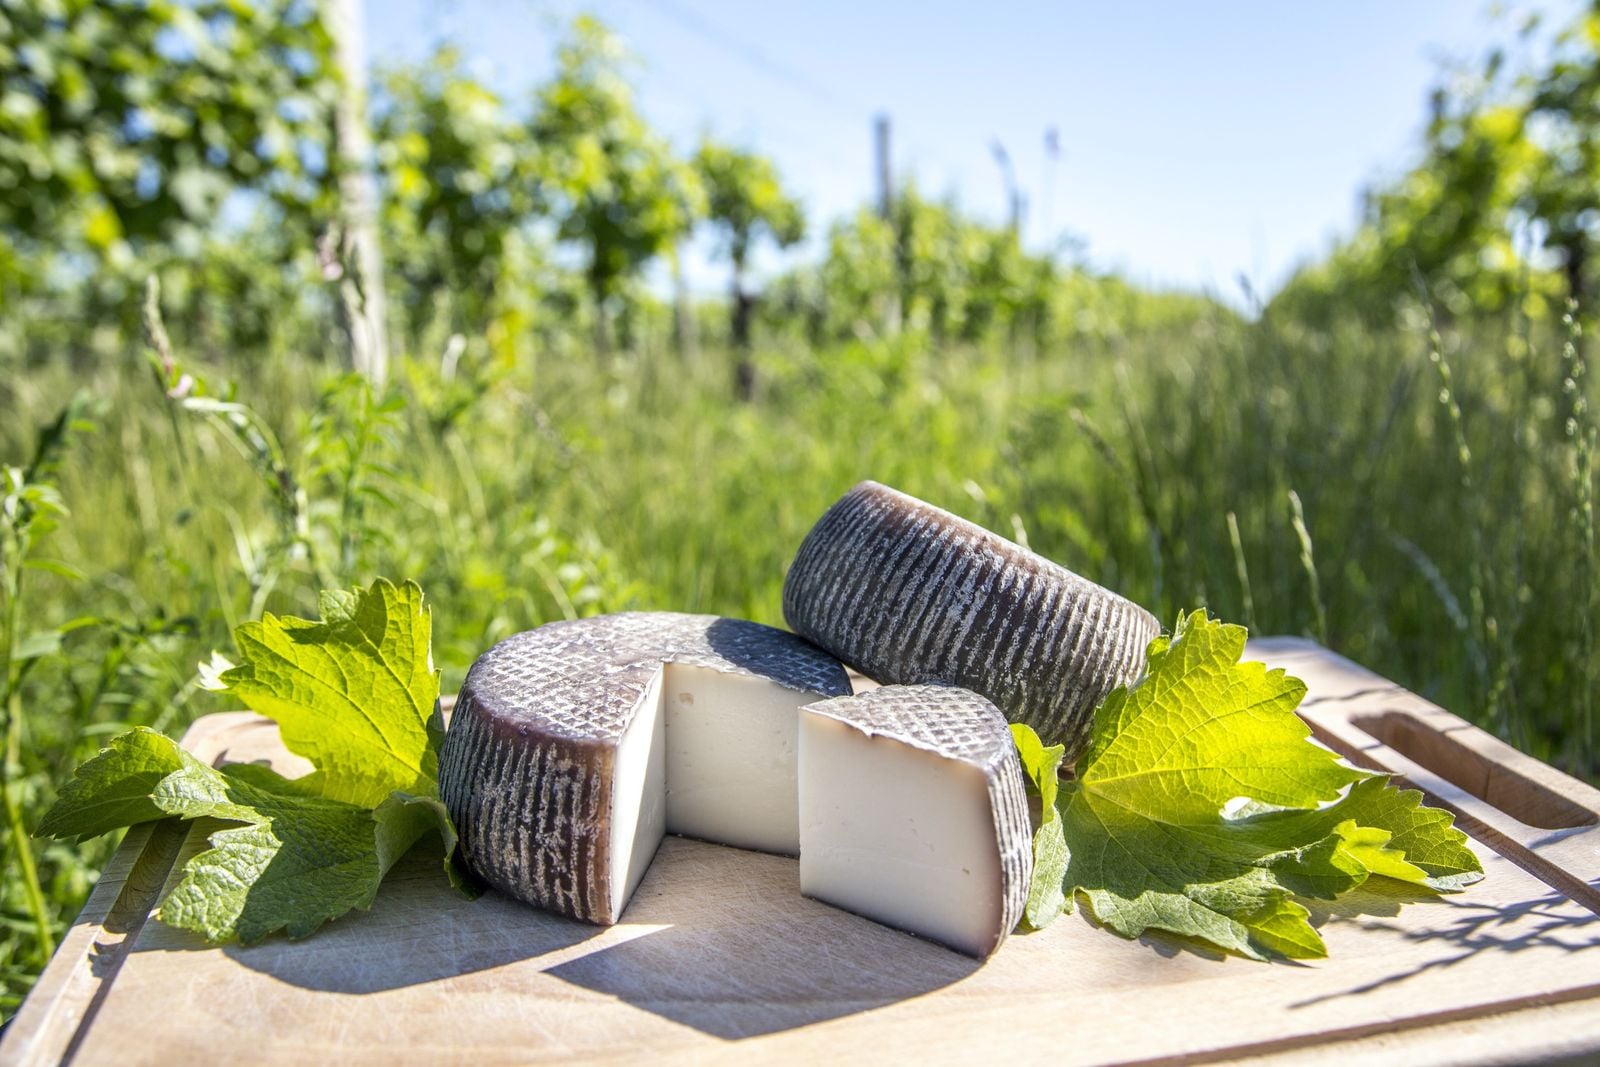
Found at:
(719, 958)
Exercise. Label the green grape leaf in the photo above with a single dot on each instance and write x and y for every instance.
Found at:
(1041, 763)
(141, 775)
(300, 862)
(1042, 766)
(404, 819)
(1202, 808)
(297, 861)
(353, 693)
(1434, 852)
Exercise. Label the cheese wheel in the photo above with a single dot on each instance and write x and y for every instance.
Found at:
(906, 592)
(574, 747)
(913, 813)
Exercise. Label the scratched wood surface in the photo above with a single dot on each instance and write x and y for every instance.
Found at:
(719, 958)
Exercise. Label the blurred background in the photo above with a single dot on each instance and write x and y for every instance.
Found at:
(564, 310)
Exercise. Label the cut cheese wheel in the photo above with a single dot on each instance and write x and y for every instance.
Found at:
(913, 813)
(574, 747)
(906, 592)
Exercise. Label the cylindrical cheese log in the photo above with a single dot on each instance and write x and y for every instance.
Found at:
(906, 592)
(913, 813)
(555, 766)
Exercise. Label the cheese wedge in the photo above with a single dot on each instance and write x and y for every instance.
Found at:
(906, 592)
(574, 747)
(913, 813)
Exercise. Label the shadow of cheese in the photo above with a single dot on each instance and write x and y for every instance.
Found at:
(716, 938)
(419, 930)
(742, 953)
(750, 646)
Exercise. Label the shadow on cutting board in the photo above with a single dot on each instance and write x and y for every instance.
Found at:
(755, 957)
(1458, 927)
(728, 946)
(419, 930)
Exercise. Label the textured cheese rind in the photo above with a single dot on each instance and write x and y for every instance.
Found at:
(906, 592)
(528, 765)
(961, 725)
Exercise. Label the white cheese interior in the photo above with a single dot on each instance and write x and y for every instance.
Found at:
(731, 758)
(898, 834)
(709, 755)
(639, 797)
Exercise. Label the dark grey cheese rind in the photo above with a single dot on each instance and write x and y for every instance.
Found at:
(906, 592)
(528, 765)
(950, 724)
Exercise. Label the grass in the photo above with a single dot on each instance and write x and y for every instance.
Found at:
(1195, 460)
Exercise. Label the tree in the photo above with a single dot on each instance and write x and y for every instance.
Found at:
(1563, 120)
(931, 268)
(125, 124)
(180, 138)
(612, 184)
(1508, 187)
(746, 201)
(459, 185)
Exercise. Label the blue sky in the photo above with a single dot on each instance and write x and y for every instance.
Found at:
(1199, 141)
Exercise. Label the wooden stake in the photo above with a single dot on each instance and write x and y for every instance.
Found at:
(361, 288)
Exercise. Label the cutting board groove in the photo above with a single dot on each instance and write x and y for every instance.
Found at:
(1497, 784)
(1546, 822)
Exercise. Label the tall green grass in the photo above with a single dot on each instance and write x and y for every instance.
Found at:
(1441, 528)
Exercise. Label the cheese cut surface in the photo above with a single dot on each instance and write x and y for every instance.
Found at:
(907, 593)
(913, 813)
(574, 747)
(730, 758)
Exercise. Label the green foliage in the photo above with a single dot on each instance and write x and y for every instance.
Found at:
(477, 194)
(460, 186)
(354, 693)
(612, 183)
(31, 510)
(1202, 808)
(126, 127)
(126, 123)
(1562, 116)
(1506, 187)
(368, 665)
(297, 861)
(935, 272)
(1046, 895)
(745, 200)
